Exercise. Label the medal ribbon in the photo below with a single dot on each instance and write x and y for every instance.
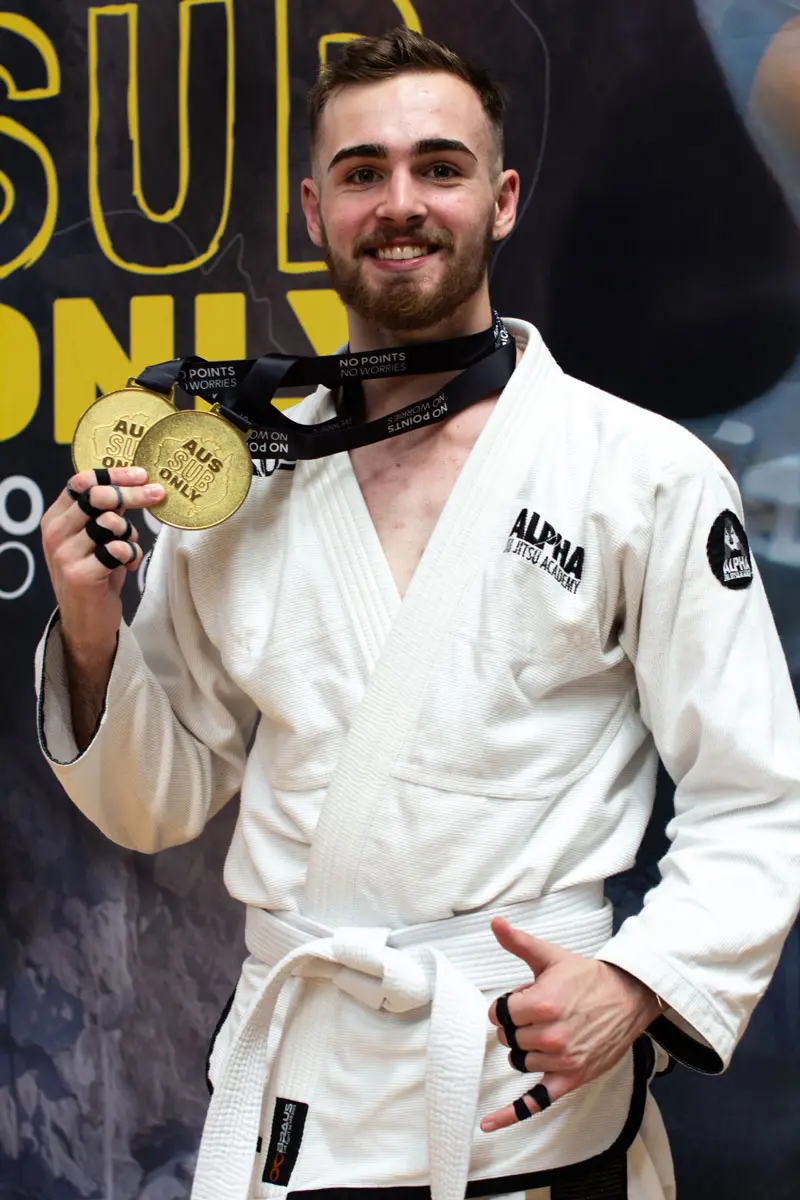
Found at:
(290, 440)
(486, 359)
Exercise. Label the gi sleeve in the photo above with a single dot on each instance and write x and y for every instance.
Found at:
(716, 694)
(170, 747)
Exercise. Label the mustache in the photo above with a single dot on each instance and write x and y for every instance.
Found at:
(381, 238)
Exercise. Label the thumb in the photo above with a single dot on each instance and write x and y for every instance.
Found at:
(539, 955)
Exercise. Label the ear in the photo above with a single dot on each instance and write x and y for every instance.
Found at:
(309, 197)
(505, 205)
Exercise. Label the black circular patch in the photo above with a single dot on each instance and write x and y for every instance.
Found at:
(728, 551)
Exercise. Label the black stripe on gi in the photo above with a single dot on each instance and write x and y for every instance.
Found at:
(579, 1181)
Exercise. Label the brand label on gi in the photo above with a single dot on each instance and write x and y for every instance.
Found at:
(284, 1143)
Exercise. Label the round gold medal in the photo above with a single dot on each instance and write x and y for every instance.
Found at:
(204, 464)
(110, 430)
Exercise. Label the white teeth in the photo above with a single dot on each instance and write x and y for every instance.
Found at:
(400, 252)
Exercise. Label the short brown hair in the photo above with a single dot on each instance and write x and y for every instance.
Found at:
(372, 59)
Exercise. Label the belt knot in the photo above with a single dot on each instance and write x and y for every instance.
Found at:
(361, 963)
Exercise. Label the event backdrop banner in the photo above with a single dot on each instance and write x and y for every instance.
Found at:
(151, 155)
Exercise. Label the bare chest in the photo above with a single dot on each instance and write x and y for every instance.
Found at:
(405, 488)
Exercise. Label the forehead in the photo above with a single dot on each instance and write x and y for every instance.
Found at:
(401, 111)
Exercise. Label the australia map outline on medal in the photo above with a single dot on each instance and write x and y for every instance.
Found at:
(203, 465)
(110, 430)
(118, 440)
(191, 467)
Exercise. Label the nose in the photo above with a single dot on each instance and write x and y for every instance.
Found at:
(402, 201)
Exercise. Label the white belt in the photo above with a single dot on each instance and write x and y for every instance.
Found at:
(447, 964)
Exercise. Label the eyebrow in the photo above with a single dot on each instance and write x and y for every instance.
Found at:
(435, 145)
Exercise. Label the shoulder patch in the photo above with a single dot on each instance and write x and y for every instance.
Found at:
(728, 551)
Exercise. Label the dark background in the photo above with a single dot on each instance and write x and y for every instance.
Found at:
(657, 251)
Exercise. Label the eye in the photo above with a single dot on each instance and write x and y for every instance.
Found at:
(443, 171)
(363, 175)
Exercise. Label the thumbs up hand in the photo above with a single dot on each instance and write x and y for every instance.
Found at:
(576, 1019)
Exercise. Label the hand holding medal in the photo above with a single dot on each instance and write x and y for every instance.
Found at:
(186, 454)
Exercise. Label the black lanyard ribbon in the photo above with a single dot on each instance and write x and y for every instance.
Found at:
(486, 360)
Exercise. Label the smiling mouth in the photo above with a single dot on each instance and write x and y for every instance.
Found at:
(401, 253)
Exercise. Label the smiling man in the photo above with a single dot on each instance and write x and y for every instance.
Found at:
(424, 275)
(439, 666)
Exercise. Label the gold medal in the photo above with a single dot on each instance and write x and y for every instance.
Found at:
(204, 464)
(110, 430)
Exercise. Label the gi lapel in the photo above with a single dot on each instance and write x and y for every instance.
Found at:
(361, 575)
(403, 649)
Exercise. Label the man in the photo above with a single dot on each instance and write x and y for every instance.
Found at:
(439, 669)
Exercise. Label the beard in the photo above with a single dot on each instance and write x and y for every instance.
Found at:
(401, 302)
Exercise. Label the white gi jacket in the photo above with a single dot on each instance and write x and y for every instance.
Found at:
(486, 743)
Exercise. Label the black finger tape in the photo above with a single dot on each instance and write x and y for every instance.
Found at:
(85, 505)
(102, 536)
(522, 1111)
(501, 1008)
(91, 510)
(103, 476)
(73, 495)
(517, 1060)
(504, 1017)
(108, 560)
(540, 1095)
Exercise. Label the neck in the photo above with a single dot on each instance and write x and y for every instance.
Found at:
(382, 396)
